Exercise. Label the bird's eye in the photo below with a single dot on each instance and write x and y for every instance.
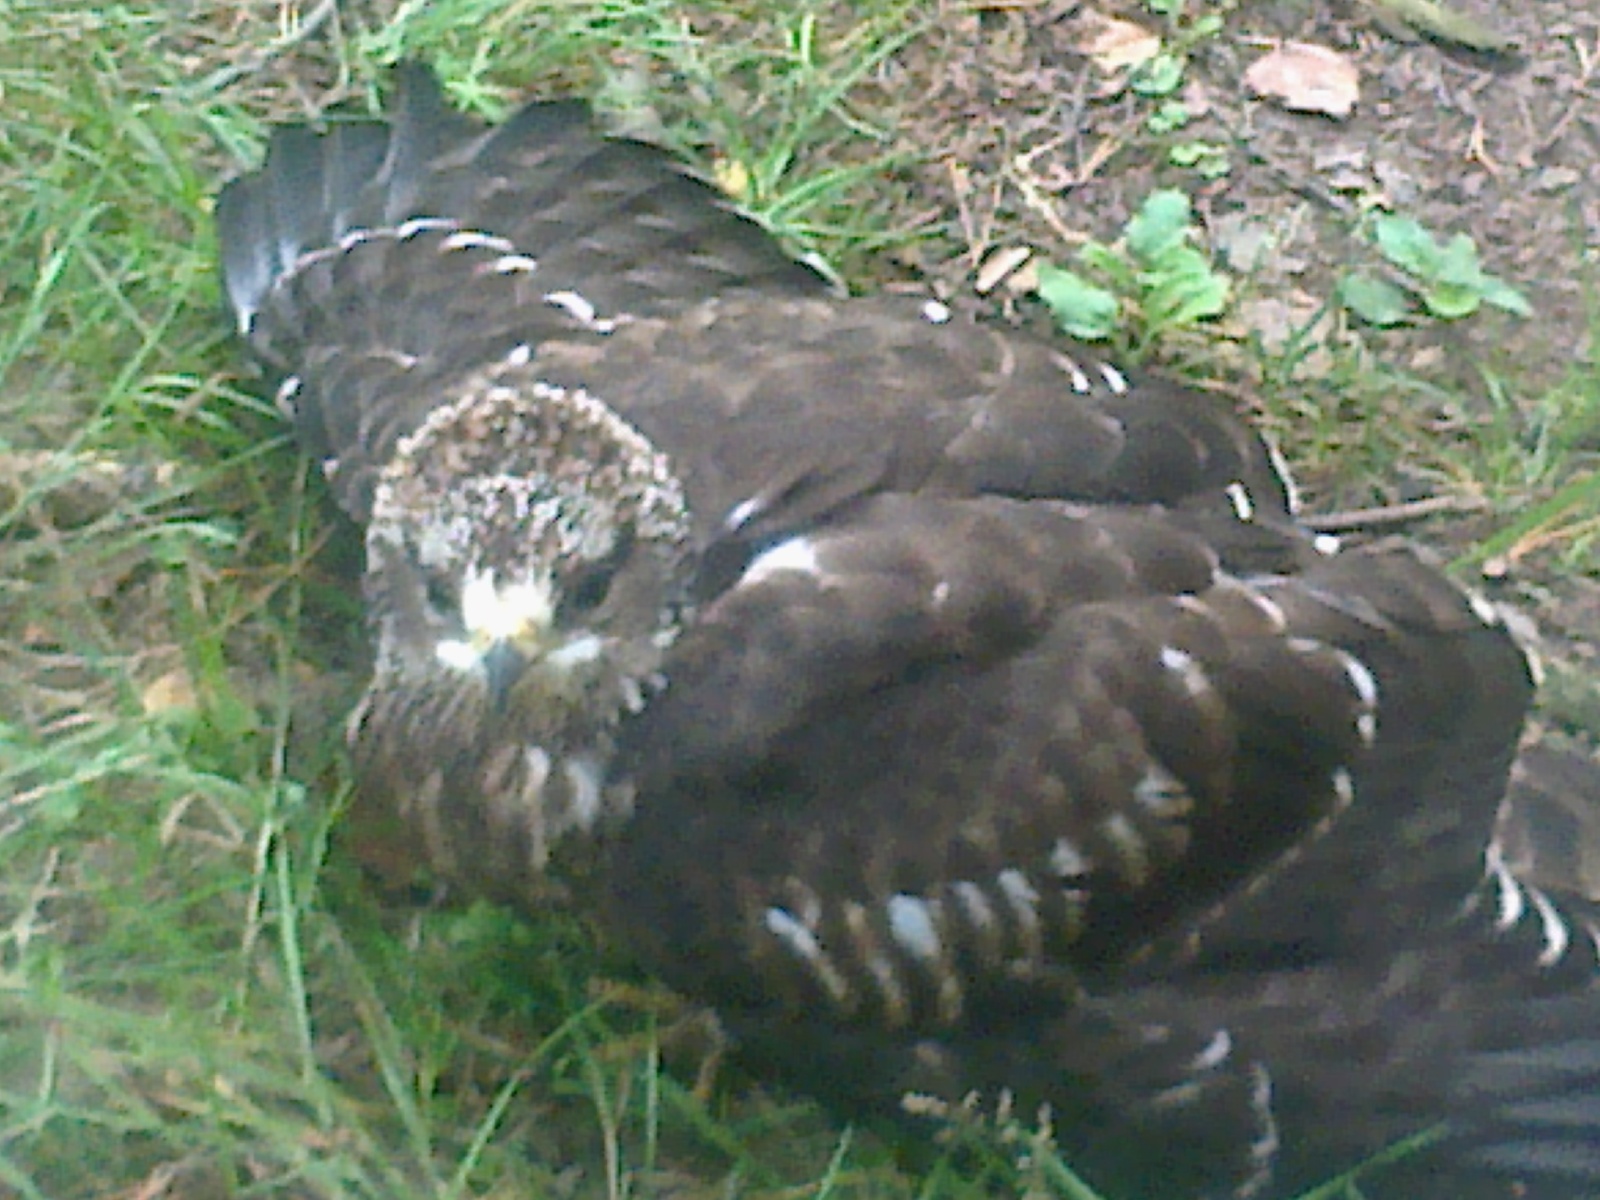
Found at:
(441, 595)
(588, 589)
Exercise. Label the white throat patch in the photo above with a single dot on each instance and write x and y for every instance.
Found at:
(491, 614)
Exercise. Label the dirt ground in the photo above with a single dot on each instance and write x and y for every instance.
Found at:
(1500, 146)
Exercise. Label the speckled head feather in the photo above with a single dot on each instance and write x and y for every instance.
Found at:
(527, 568)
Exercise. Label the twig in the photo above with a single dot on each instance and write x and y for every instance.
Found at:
(1393, 514)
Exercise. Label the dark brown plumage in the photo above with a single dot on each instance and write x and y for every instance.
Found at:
(950, 713)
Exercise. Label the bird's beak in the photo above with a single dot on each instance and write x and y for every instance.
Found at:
(503, 664)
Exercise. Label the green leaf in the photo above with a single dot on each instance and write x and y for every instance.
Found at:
(1179, 268)
(1458, 263)
(1209, 158)
(1186, 290)
(1409, 246)
(1105, 261)
(1502, 295)
(1079, 307)
(1160, 227)
(1168, 116)
(1160, 75)
(1375, 301)
(1205, 301)
(1452, 301)
(1452, 282)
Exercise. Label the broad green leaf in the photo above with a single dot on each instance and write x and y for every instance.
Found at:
(1409, 246)
(1452, 301)
(1102, 260)
(1168, 116)
(1079, 307)
(1158, 76)
(1187, 293)
(1160, 226)
(1210, 158)
(1501, 294)
(1458, 263)
(1375, 301)
(1450, 278)
(1207, 300)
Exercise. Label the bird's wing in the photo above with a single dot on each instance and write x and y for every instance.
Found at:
(1548, 830)
(913, 763)
(1449, 1057)
(1445, 1066)
(755, 393)
(945, 675)
(369, 263)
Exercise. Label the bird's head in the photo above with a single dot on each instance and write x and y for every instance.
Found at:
(528, 564)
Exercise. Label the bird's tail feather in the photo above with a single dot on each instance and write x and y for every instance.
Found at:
(306, 196)
(547, 181)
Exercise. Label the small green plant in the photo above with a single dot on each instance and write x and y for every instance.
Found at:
(1159, 78)
(1208, 159)
(1151, 281)
(1447, 280)
(1187, 29)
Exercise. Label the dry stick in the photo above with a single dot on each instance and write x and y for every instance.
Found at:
(1392, 514)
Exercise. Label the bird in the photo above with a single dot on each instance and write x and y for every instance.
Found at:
(514, 632)
(956, 715)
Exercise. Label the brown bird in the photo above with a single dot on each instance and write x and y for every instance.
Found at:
(950, 712)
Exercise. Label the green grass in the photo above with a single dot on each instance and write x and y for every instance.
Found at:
(198, 995)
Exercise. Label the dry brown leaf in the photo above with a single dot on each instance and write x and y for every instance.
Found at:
(171, 692)
(999, 266)
(733, 177)
(1114, 44)
(1306, 78)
